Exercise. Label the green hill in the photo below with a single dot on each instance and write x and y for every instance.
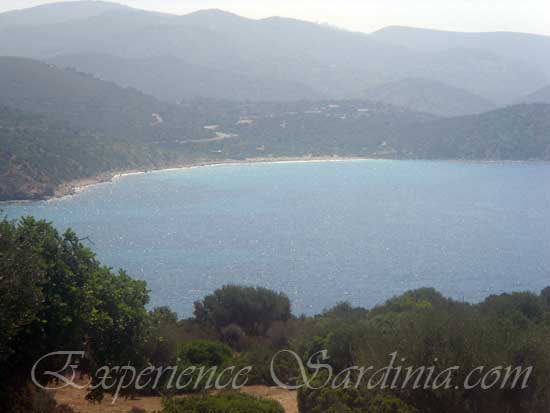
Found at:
(430, 96)
(38, 154)
(59, 125)
(520, 132)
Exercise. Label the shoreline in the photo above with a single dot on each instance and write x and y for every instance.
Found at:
(77, 186)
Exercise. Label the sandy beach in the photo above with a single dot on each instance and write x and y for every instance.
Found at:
(77, 186)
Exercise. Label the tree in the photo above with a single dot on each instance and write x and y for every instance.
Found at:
(252, 309)
(57, 296)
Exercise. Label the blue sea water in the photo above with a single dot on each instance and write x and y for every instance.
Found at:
(322, 232)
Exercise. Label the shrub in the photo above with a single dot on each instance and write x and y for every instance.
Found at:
(252, 309)
(229, 402)
(203, 356)
(328, 400)
(204, 353)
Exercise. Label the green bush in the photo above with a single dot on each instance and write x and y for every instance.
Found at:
(328, 400)
(252, 309)
(229, 402)
(204, 353)
(203, 356)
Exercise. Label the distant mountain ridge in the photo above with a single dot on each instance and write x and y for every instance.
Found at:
(430, 96)
(540, 96)
(56, 13)
(86, 103)
(525, 47)
(182, 80)
(276, 58)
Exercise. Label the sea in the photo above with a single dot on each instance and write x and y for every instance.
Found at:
(323, 232)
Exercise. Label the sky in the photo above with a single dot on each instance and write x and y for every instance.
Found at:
(530, 16)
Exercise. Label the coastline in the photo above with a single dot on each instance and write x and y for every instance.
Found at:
(77, 186)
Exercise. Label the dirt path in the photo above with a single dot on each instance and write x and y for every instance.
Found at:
(77, 400)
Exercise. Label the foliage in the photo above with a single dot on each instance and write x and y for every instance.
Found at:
(162, 337)
(252, 309)
(327, 400)
(37, 154)
(229, 402)
(56, 295)
(204, 353)
(202, 356)
(426, 329)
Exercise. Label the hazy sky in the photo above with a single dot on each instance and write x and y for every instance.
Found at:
(367, 15)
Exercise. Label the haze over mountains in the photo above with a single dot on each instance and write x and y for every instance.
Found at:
(430, 96)
(540, 96)
(220, 55)
(92, 87)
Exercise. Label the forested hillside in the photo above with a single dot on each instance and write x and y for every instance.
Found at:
(85, 102)
(38, 154)
(58, 125)
(430, 96)
(519, 132)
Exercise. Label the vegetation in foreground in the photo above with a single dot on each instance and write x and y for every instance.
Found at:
(54, 294)
(230, 402)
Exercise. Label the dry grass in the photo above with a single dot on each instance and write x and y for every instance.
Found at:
(77, 400)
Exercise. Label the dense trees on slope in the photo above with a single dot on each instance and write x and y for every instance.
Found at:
(58, 125)
(519, 132)
(429, 96)
(87, 103)
(38, 154)
(90, 136)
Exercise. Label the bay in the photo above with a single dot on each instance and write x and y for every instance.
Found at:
(322, 232)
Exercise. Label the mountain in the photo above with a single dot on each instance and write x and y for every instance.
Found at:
(520, 132)
(429, 96)
(56, 13)
(37, 154)
(88, 103)
(171, 79)
(273, 58)
(540, 96)
(58, 125)
(356, 128)
(522, 47)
